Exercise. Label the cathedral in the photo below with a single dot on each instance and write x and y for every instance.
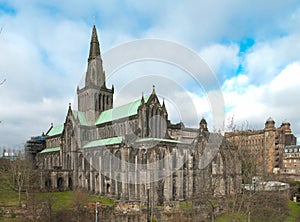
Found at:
(132, 151)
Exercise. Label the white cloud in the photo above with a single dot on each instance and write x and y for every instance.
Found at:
(44, 49)
(222, 59)
(279, 98)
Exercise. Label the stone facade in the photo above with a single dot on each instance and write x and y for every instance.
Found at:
(133, 152)
(264, 148)
(291, 160)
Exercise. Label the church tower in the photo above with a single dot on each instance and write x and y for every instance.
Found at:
(94, 97)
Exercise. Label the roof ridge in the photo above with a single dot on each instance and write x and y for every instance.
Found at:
(126, 104)
(55, 130)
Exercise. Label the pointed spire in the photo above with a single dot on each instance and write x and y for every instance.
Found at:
(94, 46)
(143, 100)
(163, 105)
(153, 91)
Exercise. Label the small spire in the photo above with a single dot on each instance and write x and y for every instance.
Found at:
(94, 45)
(163, 105)
(153, 90)
(143, 100)
(203, 121)
(69, 105)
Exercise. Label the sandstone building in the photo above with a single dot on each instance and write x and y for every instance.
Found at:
(132, 151)
(263, 149)
(291, 160)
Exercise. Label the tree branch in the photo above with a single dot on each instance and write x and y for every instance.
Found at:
(3, 81)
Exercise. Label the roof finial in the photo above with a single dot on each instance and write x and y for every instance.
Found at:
(163, 104)
(143, 100)
(94, 19)
(153, 91)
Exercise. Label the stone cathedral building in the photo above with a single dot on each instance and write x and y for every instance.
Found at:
(131, 151)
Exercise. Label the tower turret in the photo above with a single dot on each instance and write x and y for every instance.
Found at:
(270, 124)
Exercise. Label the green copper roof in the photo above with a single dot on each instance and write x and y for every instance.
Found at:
(120, 112)
(52, 149)
(103, 142)
(81, 117)
(157, 139)
(56, 130)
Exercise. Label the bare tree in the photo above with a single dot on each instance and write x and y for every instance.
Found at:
(251, 203)
(17, 175)
(79, 201)
(21, 172)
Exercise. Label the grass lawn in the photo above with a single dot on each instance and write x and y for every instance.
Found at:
(9, 197)
(186, 205)
(229, 217)
(294, 213)
(63, 200)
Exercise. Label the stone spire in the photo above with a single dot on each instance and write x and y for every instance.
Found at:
(94, 47)
(95, 75)
(163, 105)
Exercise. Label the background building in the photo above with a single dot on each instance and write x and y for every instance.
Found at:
(262, 150)
(291, 160)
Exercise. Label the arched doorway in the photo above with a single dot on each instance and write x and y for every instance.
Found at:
(60, 182)
(70, 183)
(48, 184)
(107, 188)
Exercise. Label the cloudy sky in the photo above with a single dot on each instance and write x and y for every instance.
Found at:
(252, 47)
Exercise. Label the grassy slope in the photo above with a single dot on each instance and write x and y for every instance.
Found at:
(63, 200)
(294, 212)
(8, 197)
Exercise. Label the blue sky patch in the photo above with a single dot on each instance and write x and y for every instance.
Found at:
(7, 9)
(246, 44)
